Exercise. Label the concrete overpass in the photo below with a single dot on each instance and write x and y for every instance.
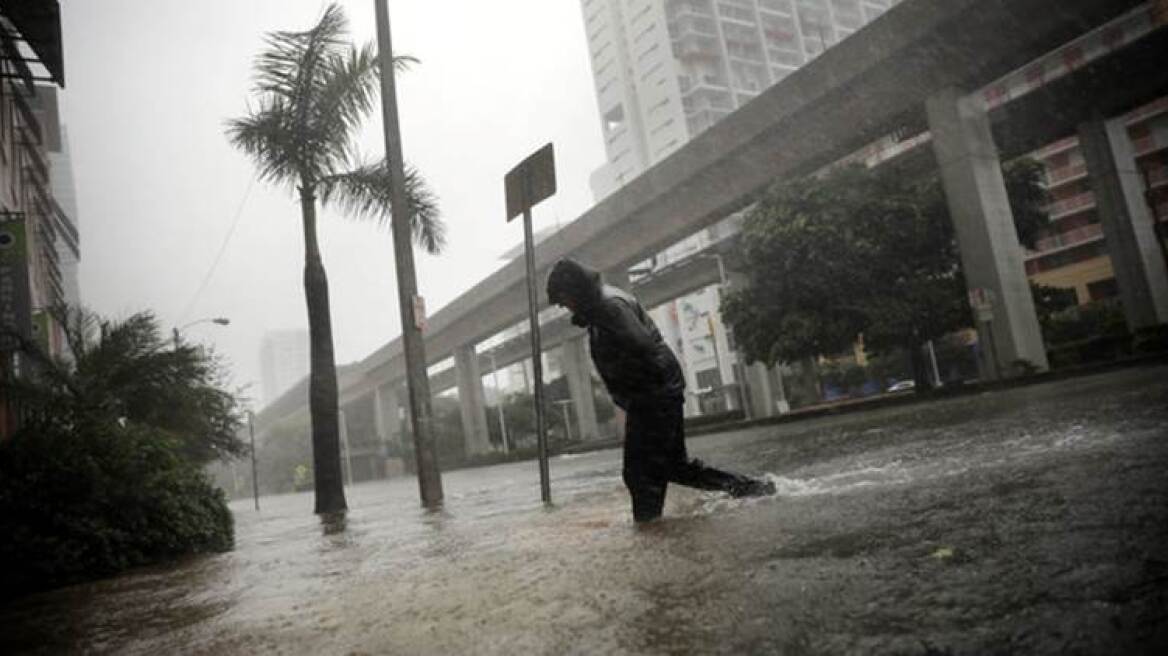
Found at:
(914, 67)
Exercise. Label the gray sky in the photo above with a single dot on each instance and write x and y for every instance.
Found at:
(150, 83)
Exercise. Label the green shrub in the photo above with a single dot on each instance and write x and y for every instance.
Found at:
(81, 502)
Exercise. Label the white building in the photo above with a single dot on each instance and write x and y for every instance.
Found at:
(666, 70)
(283, 361)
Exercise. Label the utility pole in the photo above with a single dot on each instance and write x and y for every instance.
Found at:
(255, 481)
(410, 305)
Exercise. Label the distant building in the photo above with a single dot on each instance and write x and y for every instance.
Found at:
(284, 362)
(1071, 253)
(666, 70)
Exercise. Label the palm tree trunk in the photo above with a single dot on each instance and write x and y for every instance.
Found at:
(322, 377)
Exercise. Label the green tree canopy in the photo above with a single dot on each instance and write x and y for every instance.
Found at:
(127, 372)
(856, 252)
(105, 470)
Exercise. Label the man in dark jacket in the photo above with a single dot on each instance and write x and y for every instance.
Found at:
(645, 380)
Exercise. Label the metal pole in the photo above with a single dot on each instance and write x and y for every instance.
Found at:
(499, 401)
(545, 490)
(567, 416)
(255, 481)
(933, 360)
(344, 425)
(417, 383)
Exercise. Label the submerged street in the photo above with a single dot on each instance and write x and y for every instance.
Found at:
(1030, 520)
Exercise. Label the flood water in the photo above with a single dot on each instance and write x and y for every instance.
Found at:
(1032, 520)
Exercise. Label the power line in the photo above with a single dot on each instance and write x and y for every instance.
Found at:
(222, 249)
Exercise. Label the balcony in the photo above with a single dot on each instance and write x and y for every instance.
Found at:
(1074, 171)
(1144, 145)
(704, 96)
(1156, 176)
(1072, 205)
(1066, 239)
(693, 45)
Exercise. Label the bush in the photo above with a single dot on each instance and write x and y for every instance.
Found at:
(81, 502)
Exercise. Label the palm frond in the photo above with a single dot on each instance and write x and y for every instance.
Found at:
(267, 137)
(365, 192)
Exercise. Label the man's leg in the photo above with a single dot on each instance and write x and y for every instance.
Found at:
(643, 466)
(694, 473)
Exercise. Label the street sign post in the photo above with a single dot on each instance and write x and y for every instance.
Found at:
(533, 180)
(982, 299)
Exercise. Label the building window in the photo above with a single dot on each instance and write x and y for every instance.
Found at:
(709, 379)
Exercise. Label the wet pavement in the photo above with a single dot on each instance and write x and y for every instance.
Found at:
(1031, 520)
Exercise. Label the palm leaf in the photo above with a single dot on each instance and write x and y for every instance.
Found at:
(365, 193)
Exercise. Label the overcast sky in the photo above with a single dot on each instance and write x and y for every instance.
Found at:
(150, 83)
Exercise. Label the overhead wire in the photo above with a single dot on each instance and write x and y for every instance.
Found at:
(222, 249)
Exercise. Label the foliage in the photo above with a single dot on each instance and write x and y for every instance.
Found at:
(313, 91)
(106, 471)
(1050, 302)
(858, 252)
(1081, 322)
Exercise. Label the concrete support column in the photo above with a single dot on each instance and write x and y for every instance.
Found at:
(1136, 255)
(471, 401)
(761, 402)
(386, 406)
(578, 370)
(991, 256)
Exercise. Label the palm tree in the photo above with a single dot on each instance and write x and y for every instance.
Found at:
(313, 90)
(128, 372)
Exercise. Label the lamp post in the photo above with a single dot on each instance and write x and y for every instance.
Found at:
(221, 321)
(499, 399)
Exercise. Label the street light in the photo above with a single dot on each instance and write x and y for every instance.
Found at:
(499, 399)
(222, 321)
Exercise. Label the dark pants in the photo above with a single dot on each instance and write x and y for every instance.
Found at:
(655, 456)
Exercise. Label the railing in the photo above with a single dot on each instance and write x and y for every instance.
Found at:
(1070, 205)
(1069, 238)
(1064, 173)
(1144, 145)
(1156, 175)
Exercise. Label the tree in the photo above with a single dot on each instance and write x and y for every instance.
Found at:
(105, 471)
(313, 92)
(127, 371)
(859, 252)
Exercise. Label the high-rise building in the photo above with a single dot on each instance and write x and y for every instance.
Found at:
(1071, 254)
(283, 362)
(666, 70)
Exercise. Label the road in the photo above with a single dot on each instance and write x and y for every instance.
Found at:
(1027, 520)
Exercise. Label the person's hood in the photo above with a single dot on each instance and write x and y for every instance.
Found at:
(570, 280)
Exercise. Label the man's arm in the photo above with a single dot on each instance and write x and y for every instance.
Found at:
(619, 318)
